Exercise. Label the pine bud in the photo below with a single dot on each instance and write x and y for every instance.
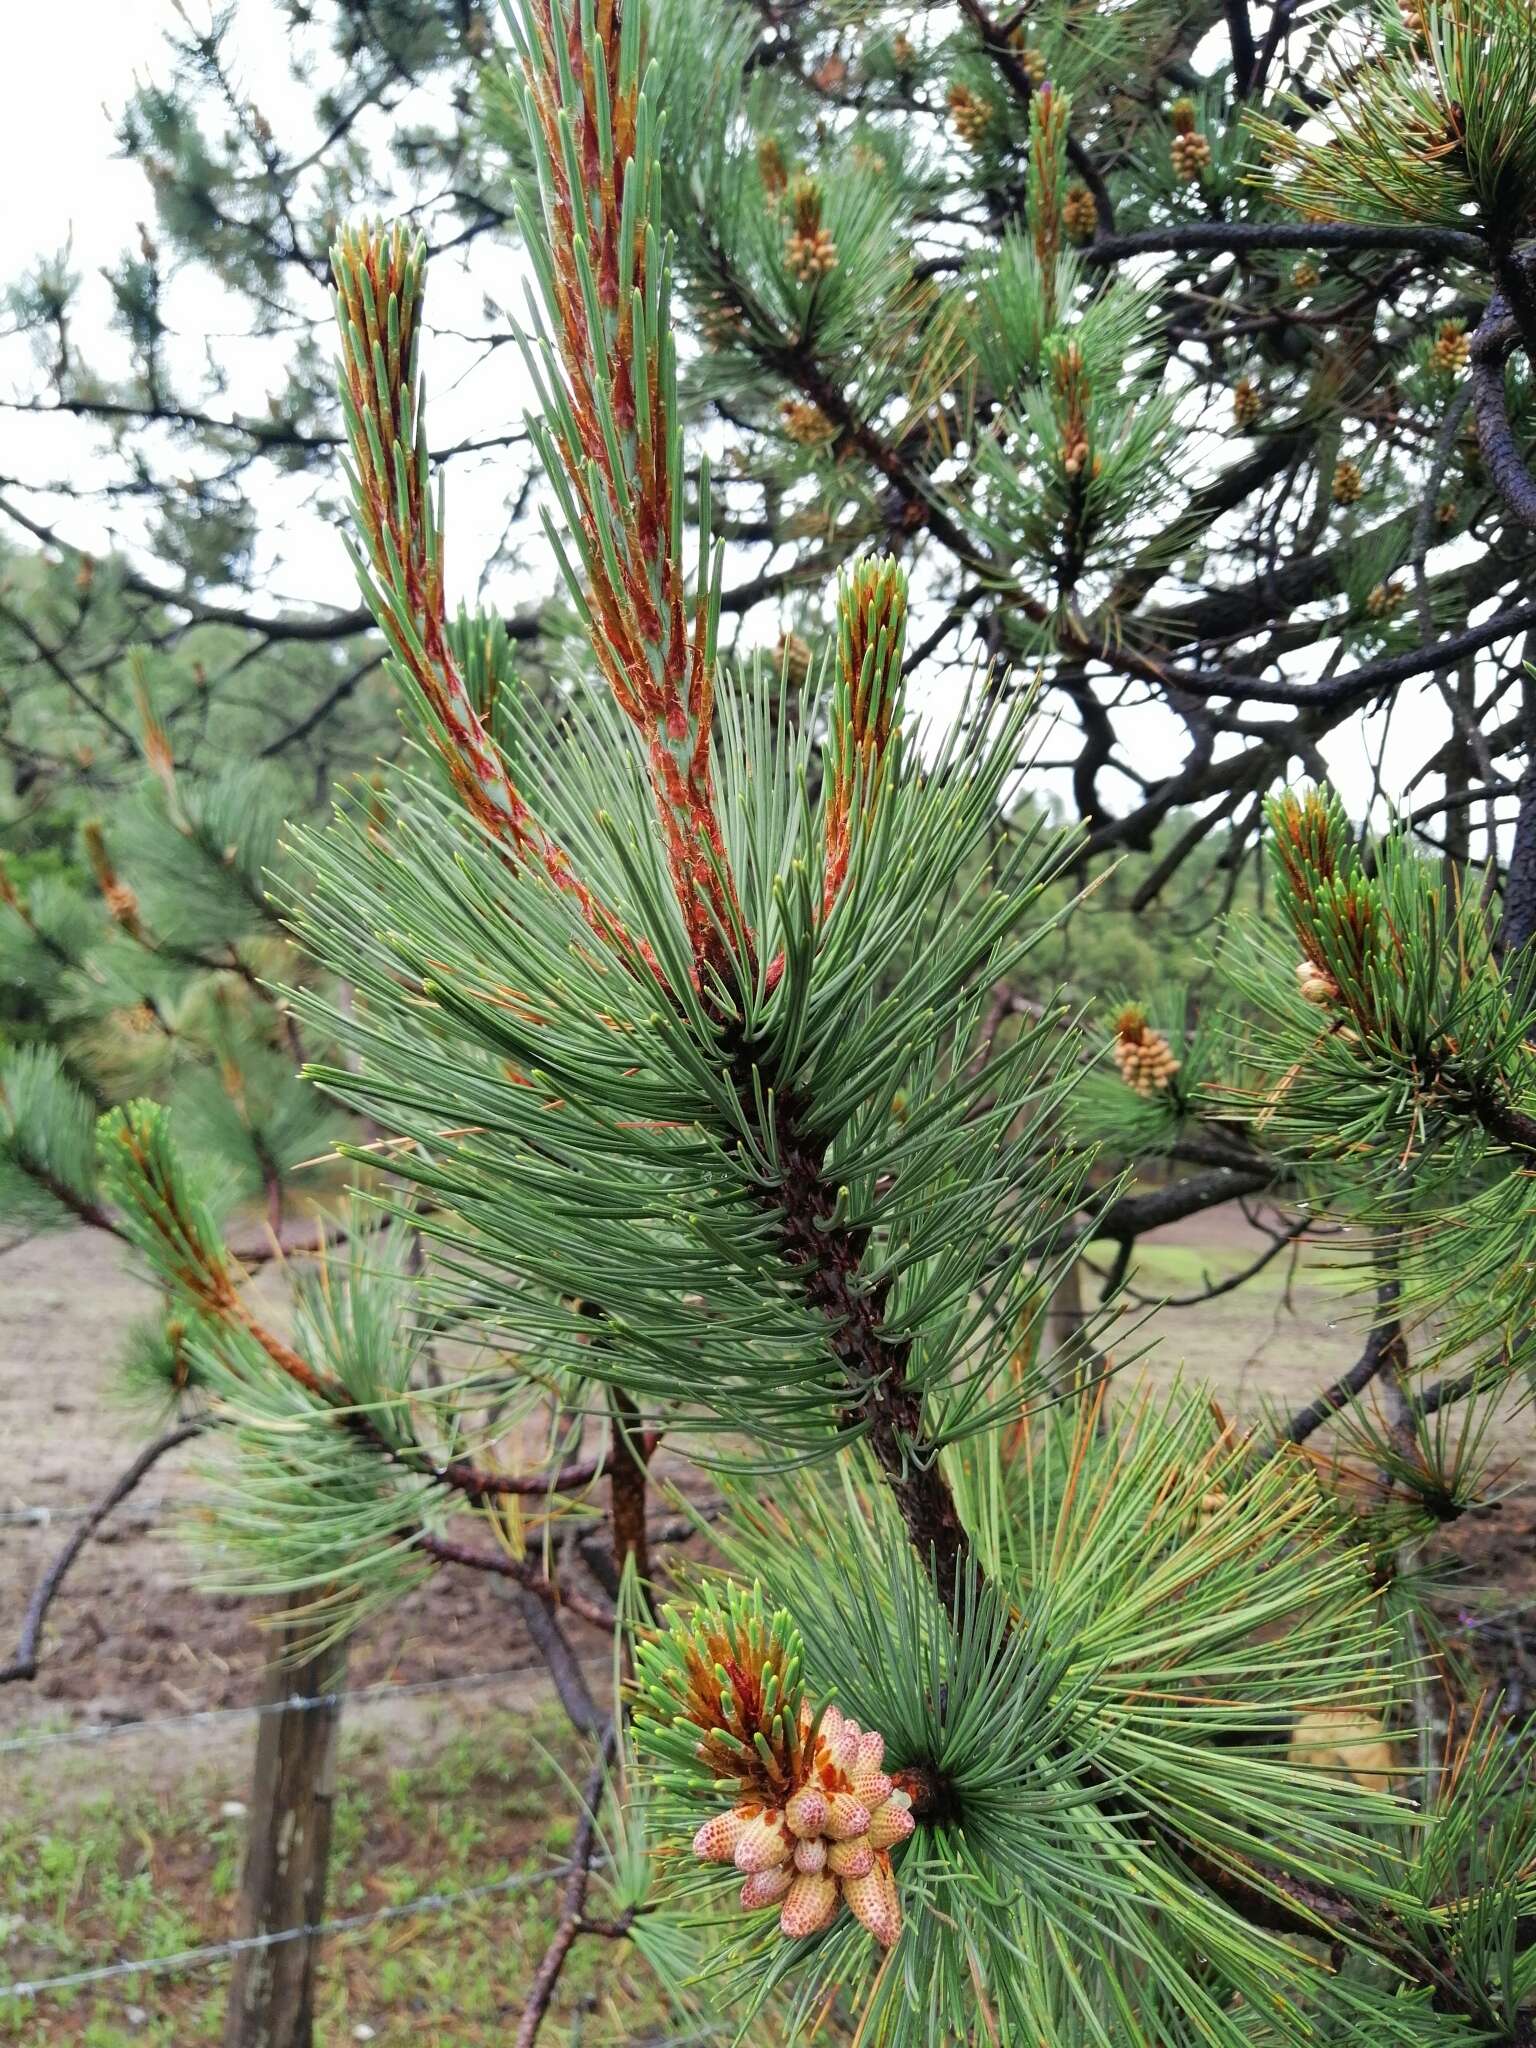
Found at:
(805, 423)
(722, 321)
(903, 55)
(1384, 599)
(1317, 985)
(1247, 403)
(1190, 155)
(1144, 1057)
(771, 167)
(810, 252)
(792, 658)
(1036, 70)
(1450, 351)
(1079, 213)
(972, 115)
(1305, 275)
(1348, 482)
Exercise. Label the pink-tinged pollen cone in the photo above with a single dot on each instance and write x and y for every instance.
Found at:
(716, 1841)
(766, 1887)
(809, 1905)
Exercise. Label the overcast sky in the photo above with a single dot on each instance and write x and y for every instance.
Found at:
(72, 64)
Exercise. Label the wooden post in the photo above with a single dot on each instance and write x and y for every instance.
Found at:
(272, 1990)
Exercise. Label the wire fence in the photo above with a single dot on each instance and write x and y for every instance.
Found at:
(295, 1703)
(221, 1951)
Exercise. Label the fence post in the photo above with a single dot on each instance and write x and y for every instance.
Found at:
(272, 1990)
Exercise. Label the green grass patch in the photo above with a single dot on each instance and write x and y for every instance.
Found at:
(138, 1874)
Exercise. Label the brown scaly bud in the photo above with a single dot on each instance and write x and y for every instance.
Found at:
(1182, 115)
(810, 252)
(1385, 599)
(1079, 213)
(1144, 1057)
(792, 658)
(1450, 350)
(903, 55)
(805, 423)
(85, 573)
(1348, 482)
(1247, 404)
(1447, 512)
(971, 115)
(1305, 275)
(771, 167)
(1190, 155)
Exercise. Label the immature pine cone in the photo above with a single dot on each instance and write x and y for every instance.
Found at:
(1144, 1056)
(830, 1842)
(1247, 403)
(1450, 350)
(972, 116)
(1079, 213)
(1348, 483)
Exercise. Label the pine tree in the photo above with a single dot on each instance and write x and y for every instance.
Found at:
(999, 1717)
(1010, 1710)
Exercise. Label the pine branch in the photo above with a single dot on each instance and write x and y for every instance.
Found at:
(572, 1922)
(25, 1662)
(1493, 343)
(1238, 237)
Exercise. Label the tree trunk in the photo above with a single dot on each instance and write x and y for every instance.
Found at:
(271, 1993)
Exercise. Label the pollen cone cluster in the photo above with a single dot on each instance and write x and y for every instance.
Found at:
(804, 1807)
(828, 1844)
(1144, 1056)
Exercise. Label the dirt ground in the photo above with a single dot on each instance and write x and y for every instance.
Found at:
(133, 1636)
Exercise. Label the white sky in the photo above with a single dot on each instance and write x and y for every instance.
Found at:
(71, 66)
